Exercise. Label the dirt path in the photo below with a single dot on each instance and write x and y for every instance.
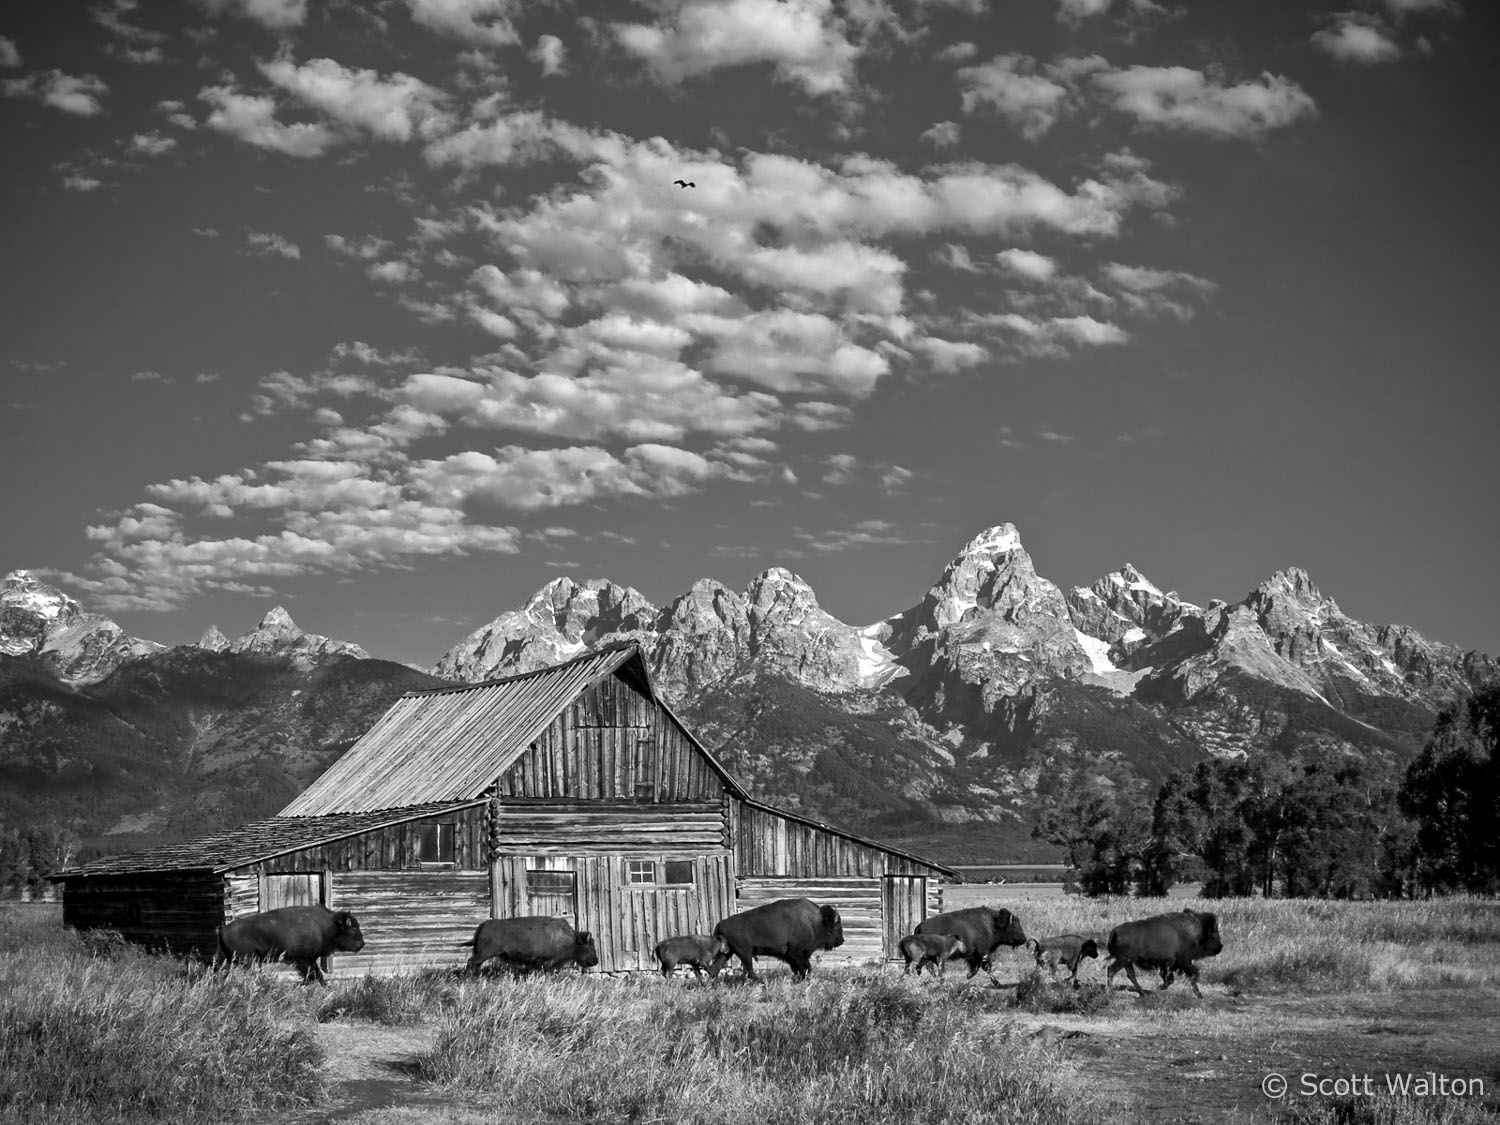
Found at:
(1176, 1063)
(369, 1067)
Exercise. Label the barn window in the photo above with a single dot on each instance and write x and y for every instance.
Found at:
(640, 871)
(678, 871)
(645, 791)
(436, 844)
(549, 882)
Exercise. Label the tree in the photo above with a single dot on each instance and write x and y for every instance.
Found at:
(1105, 831)
(1452, 791)
(1200, 812)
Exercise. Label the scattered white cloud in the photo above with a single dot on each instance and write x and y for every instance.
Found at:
(263, 244)
(278, 15)
(150, 144)
(1027, 264)
(862, 535)
(480, 22)
(75, 94)
(1178, 97)
(943, 134)
(1357, 37)
(79, 181)
(10, 54)
(803, 41)
(551, 54)
(1156, 292)
(206, 232)
(948, 356)
(392, 109)
(1012, 87)
(252, 118)
(1075, 11)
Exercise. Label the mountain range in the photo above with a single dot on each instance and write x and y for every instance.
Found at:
(942, 727)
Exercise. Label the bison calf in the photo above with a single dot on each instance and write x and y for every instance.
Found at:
(1066, 949)
(697, 950)
(525, 944)
(1169, 943)
(931, 949)
(302, 935)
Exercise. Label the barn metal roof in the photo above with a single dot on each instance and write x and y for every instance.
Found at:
(256, 841)
(449, 744)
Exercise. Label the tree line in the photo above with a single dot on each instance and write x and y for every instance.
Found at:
(1323, 824)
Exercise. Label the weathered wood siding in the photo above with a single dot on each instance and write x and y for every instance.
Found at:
(393, 848)
(856, 899)
(571, 827)
(768, 845)
(626, 920)
(180, 912)
(411, 919)
(606, 743)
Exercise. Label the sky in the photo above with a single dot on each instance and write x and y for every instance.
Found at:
(390, 312)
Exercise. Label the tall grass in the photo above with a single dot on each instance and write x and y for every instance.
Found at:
(130, 1036)
(843, 1048)
(1274, 945)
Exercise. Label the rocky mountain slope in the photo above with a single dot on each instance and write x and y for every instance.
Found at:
(943, 727)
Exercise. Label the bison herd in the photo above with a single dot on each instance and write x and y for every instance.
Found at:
(791, 930)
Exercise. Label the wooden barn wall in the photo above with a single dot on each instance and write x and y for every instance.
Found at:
(856, 899)
(410, 919)
(770, 845)
(179, 912)
(572, 827)
(393, 848)
(626, 920)
(607, 742)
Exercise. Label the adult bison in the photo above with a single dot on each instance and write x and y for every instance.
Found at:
(695, 950)
(302, 935)
(525, 944)
(1169, 943)
(982, 930)
(930, 949)
(1065, 949)
(789, 929)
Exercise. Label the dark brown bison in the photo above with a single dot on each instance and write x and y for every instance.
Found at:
(982, 930)
(301, 935)
(696, 950)
(526, 944)
(931, 949)
(789, 929)
(1066, 949)
(1169, 943)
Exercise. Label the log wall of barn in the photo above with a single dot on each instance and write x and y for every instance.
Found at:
(608, 826)
(626, 919)
(856, 899)
(767, 844)
(180, 912)
(410, 919)
(610, 743)
(393, 848)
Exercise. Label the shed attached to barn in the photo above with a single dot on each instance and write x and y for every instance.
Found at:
(572, 790)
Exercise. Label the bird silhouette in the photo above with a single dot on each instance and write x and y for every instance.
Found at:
(684, 183)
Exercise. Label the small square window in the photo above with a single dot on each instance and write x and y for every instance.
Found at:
(678, 871)
(645, 791)
(640, 871)
(435, 845)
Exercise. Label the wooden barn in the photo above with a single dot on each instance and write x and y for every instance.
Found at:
(572, 790)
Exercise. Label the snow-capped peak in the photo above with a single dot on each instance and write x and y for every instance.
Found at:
(996, 540)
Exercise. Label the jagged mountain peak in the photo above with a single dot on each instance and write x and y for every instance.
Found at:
(1001, 539)
(40, 621)
(1292, 580)
(213, 640)
(23, 591)
(278, 634)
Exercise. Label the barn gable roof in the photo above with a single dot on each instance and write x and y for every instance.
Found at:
(259, 840)
(450, 744)
(823, 826)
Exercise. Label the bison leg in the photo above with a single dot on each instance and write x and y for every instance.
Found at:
(1114, 967)
(310, 971)
(1192, 976)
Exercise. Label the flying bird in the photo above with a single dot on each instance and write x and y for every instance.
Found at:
(684, 183)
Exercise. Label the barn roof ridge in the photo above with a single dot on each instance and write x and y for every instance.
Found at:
(591, 654)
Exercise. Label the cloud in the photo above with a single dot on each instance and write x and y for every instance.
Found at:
(481, 22)
(150, 144)
(74, 94)
(1040, 337)
(1156, 292)
(860, 536)
(78, 181)
(1075, 11)
(943, 134)
(1176, 97)
(271, 245)
(252, 118)
(1357, 37)
(1010, 86)
(10, 54)
(948, 356)
(1028, 264)
(552, 54)
(278, 15)
(1401, 8)
(392, 109)
(801, 40)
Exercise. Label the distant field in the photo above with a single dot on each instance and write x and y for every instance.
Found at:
(1306, 990)
(1014, 872)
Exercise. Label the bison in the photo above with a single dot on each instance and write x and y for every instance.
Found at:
(931, 949)
(525, 944)
(302, 935)
(1168, 942)
(982, 930)
(697, 950)
(1066, 949)
(789, 929)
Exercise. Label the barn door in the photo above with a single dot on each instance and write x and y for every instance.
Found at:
(305, 888)
(553, 894)
(903, 906)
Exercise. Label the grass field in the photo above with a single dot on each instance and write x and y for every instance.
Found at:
(1320, 992)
